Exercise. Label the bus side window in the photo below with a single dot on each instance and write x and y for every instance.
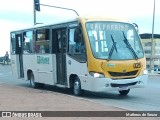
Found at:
(42, 41)
(13, 43)
(28, 42)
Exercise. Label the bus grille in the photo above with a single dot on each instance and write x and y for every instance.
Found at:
(118, 74)
(122, 85)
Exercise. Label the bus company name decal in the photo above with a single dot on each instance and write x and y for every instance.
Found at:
(42, 60)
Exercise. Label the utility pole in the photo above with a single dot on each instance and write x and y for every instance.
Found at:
(36, 7)
(34, 15)
(152, 42)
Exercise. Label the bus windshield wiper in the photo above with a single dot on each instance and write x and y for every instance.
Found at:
(112, 49)
(130, 47)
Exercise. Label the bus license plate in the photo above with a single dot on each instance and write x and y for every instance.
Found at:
(123, 88)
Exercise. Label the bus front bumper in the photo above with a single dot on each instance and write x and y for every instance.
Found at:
(107, 84)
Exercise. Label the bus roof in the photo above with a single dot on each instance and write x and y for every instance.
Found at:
(102, 18)
(45, 25)
(81, 19)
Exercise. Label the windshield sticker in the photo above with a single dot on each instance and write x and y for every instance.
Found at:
(111, 65)
(42, 60)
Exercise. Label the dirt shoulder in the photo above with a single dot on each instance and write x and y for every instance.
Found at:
(17, 98)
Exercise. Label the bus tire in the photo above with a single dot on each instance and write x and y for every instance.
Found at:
(33, 83)
(124, 92)
(77, 87)
(32, 80)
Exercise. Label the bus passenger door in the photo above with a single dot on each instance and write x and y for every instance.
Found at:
(59, 45)
(19, 53)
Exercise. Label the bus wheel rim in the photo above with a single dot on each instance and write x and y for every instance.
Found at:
(76, 87)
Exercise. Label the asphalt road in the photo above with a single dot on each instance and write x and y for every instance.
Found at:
(140, 99)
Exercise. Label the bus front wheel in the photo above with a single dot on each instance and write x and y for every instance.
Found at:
(77, 87)
(124, 92)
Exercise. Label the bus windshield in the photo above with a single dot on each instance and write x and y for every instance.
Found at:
(114, 41)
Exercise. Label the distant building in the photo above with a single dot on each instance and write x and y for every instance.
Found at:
(146, 41)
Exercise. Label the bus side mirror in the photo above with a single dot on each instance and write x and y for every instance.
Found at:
(136, 27)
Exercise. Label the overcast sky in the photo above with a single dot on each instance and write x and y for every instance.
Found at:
(17, 14)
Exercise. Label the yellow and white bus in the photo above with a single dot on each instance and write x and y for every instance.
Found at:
(93, 54)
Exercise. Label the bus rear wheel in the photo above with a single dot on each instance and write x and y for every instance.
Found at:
(33, 83)
(77, 87)
(124, 92)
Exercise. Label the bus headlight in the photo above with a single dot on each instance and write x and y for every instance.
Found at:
(97, 75)
(145, 72)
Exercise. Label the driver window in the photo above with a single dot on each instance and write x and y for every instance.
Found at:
(78, 38)
(77, 47)
(76, 42)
